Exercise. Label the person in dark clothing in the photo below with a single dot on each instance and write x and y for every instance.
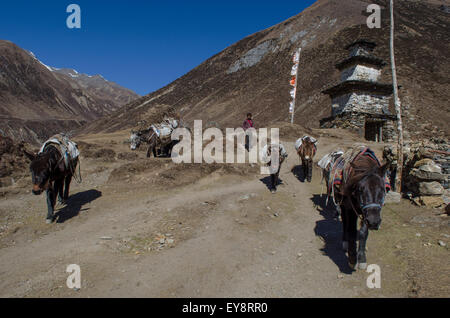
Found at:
(390, 157)
(248, 123)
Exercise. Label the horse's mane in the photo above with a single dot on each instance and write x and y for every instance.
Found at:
(363, 167)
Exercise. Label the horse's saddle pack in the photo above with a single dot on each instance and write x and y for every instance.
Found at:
(299, 142)
(164, 130)
(68, 149)
(328, 160)
(341, 168)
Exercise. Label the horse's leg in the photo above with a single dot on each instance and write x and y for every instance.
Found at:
(51, 198)
(352, 235)
(304, 168)
(344, 227)
(67, 181)
(309, 165)
(59, 187)
(273, 181)
(363, 234)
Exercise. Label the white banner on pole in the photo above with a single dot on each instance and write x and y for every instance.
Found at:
(296, 57)
(294, 70)
(294, 82)
(293, 91)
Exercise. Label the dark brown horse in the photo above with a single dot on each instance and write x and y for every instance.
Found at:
(49, 173)
(361, 197)
(307, 152)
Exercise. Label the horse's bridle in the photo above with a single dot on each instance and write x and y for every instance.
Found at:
(365, 207)
(372, 205)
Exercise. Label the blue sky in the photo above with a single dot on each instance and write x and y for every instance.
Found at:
(142, 45)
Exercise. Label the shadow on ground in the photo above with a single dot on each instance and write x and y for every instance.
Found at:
(268, 183)
(75, 204)
(330, 230)
(297, 171)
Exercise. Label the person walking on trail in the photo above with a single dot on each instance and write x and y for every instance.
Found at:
(248, 123)
(391, 159)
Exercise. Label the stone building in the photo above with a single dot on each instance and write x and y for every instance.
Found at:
(359, 102)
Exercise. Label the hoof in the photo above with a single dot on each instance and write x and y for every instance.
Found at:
(352, 266)
(345, 246)
(362, 266)
(273, 191)
(49, 221)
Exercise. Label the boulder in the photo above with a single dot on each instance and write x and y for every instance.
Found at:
(427, 175)
(430, 167)
(432, 201)
(422, 162)
(431, 188)
(446, 196)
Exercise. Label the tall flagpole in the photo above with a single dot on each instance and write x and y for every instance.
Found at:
(296, 86)
(398, 108)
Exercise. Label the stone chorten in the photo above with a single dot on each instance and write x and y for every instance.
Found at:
(359, 101)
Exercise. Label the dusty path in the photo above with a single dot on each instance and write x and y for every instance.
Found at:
(223, 236)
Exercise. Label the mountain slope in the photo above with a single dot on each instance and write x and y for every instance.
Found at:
(253, 74)
(37, 100)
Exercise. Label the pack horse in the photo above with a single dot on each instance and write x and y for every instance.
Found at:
(52, 170)
(358, 184)
(306, 148)
(156, 136)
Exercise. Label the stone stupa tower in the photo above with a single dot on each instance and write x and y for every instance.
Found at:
(359, 101)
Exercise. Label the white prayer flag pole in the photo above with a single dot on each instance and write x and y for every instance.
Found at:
(296, 63)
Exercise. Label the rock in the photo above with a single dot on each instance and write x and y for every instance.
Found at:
(432, 201)
(422, 162)
(441, 243)
(106, 238)
(431, 188)
(446, 196)
(427, 175)
(398, 246)
(170, 241)
(430, 167)
(418, 235)
(393, 197)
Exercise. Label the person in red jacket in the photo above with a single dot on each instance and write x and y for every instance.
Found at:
(248, 123)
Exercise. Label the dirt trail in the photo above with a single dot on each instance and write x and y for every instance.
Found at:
(224, 235)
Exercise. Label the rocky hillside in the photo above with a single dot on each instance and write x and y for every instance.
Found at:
(37, 100)
(253, 74)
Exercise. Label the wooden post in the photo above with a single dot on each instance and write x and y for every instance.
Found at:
(398, 107)
(296, 86)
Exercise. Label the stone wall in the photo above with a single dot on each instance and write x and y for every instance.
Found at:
(360, 73)
(356, 122)
(360, 102)
(426, 176)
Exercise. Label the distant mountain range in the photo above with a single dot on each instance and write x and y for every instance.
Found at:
(253, 74)
(37, 100)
